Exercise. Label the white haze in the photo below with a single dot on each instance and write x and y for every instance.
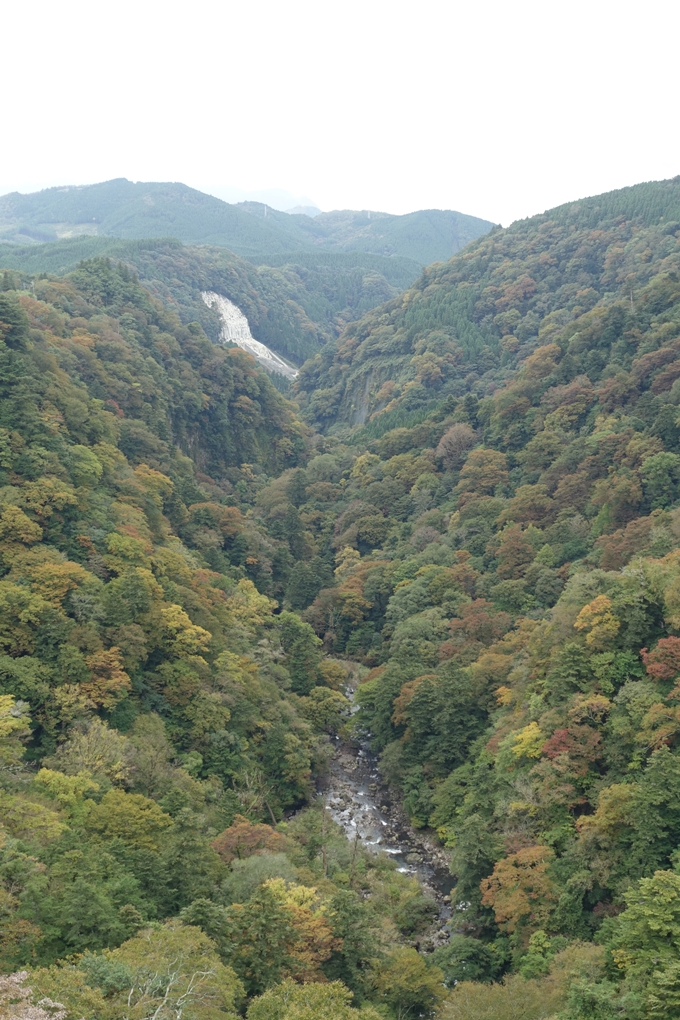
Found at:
(497, 108)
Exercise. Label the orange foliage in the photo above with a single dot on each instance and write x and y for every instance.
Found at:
(520, 891)
(109, 681)
(618, 547)
(405, 697)
(515, 553)
(244, 838)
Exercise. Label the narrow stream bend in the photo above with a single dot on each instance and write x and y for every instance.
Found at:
(359, 801)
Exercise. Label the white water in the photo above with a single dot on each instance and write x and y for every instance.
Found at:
(235, 330)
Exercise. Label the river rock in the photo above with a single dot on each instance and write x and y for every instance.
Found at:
(414, 858)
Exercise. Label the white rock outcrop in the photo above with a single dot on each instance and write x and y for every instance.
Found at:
(235, 330)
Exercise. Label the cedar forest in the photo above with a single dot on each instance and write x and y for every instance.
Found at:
(470, 503)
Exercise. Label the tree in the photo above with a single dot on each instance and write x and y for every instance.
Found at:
(175, 971)
(661, 477)
(302, 648)
(520, 890)
(354, 924)
(325, 709)
(96, 748)
(454, 444)
(663, 662)
(483, 471)
(514, 554)
(645, 938)
(244, 838)
(408, 985)
(14, 730)
(261, 937)
(313, 1001)
(130, 817)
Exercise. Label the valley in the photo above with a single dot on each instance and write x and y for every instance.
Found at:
(353, 682)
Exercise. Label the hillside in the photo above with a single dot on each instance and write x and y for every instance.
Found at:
(158, 715)
(128, 210)
(468, 324)
(505, 532)
(294, 308)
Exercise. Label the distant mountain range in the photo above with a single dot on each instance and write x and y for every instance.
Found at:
(127, 210)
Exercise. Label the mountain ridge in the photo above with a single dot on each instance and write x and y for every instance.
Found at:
(253, 230)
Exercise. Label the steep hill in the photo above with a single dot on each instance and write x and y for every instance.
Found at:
(505, 529)
(467, 324)
(159, 710)
(491, 533)
(121, 208)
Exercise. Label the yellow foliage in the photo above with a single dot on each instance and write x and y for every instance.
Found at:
(49, 573)
(520, 890)
(185, 637)
(504, 696)
(14, 729)
(46, 495)
(589, 708)
(26, 819)
(614, 812)
(315, 941)
(21, 611)
(134, 819)
(68, 791)
(528, 742)
(238, 668)
(347, 560)
(109, 681)
(598, 620)
(16, 527)
(248, 607)
(292, 895)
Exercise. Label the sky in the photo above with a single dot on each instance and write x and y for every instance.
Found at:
(497, 109)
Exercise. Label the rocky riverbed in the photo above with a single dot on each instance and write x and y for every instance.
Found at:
(360, 802)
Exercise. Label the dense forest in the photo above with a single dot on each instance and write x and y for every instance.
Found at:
(474, 506)
(294, 306)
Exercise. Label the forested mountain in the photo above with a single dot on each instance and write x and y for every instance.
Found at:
(124, 209)
(480, 517)
(467, 324)
(157, 713)
(295, 308)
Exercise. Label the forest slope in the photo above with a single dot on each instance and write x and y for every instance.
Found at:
(158, 714)
(505, 532)
(497, 548)
(295, 307)
(467, 324)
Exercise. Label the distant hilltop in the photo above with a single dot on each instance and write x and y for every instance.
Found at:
(253, 230)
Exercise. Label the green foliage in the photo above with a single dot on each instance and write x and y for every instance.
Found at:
(289, 1001)
(121, 208)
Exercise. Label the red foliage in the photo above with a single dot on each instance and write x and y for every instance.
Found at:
(479, 621)
(581, 744)
(663, 662)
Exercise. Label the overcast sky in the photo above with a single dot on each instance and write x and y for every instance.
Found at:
(499, 109)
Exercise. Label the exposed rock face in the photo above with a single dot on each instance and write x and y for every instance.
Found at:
(235, 330)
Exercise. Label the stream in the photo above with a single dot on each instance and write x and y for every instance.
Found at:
(358, 800)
